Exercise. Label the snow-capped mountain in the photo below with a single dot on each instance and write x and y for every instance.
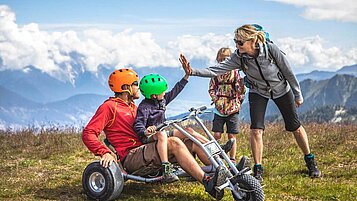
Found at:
(31, 97)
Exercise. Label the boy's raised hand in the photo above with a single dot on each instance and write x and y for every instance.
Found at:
(185, 65)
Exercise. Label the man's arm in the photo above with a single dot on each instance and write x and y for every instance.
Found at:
(91, 132)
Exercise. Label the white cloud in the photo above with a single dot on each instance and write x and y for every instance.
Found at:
(51, 51)
(27, 45)
(313, 52)
(202, 47)
(340, 10)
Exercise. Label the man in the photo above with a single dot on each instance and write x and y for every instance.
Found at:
(116, 117)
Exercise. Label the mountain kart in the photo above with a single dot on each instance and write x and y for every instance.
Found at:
(101, 183)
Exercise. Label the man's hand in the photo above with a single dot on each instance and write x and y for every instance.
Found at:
(107, 160)
(185, 65)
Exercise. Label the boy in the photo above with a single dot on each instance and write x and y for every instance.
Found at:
(151, 112)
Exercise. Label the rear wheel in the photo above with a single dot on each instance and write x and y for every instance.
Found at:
(101, 183)
(249, 188)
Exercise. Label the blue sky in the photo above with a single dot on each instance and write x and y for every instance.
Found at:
(316, 34)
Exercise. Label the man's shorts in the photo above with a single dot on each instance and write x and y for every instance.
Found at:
(231, 122)
(145, 160)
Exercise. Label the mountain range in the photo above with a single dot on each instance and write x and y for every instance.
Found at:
(31, 97)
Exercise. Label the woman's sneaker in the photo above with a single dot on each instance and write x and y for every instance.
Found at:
(312, 166)
(168, 173)
(258, 172)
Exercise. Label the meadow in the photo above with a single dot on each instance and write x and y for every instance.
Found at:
(48, 165)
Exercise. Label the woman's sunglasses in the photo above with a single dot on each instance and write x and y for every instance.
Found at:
(239, 42)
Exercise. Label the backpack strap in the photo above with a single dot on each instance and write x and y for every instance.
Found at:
(270, 55)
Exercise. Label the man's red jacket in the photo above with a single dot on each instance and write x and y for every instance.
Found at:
(116, 118)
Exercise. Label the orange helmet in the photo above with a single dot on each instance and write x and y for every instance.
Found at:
(121, 77)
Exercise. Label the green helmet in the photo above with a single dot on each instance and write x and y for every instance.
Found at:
(152, 84)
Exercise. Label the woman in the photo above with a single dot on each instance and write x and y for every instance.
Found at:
(269, 76)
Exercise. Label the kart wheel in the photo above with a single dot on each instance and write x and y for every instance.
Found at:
(101, 183)
(250, 188)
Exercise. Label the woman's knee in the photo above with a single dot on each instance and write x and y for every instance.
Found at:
(256, 132)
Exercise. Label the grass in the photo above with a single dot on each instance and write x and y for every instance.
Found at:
(48, 165)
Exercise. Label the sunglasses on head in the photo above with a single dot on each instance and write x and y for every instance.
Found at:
(239, 42)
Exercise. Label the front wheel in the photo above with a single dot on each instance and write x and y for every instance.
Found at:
(248, 188)
(101, 183)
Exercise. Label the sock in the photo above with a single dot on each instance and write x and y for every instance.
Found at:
(309, 156)
(258, 165)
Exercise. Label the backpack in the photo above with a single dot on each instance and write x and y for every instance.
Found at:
(260, 28)
(241, 85)
(229, 92)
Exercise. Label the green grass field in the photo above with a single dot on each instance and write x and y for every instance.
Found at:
(49, 166)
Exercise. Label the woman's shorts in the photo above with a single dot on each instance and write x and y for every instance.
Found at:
(286, 105)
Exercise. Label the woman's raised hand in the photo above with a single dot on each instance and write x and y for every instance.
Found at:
(185, 65)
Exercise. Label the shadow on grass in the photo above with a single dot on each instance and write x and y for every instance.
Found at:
(67, 192)
(302, 172)
(131, 191)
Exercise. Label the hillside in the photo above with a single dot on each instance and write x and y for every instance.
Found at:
(48, 166)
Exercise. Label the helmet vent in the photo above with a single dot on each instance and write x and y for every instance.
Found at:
(152, 79)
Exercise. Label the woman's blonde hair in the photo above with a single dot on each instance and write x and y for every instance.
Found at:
(250, 32)
(222, 51)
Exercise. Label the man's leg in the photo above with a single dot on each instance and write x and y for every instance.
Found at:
(178, 149)
(196, 135)
(185, 159)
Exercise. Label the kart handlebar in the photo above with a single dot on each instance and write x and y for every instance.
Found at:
(193, 112)
(160, 126)
(200, 109)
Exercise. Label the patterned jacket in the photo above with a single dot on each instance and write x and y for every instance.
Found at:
(227, 92)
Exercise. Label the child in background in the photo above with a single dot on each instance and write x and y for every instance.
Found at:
(227, 92)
